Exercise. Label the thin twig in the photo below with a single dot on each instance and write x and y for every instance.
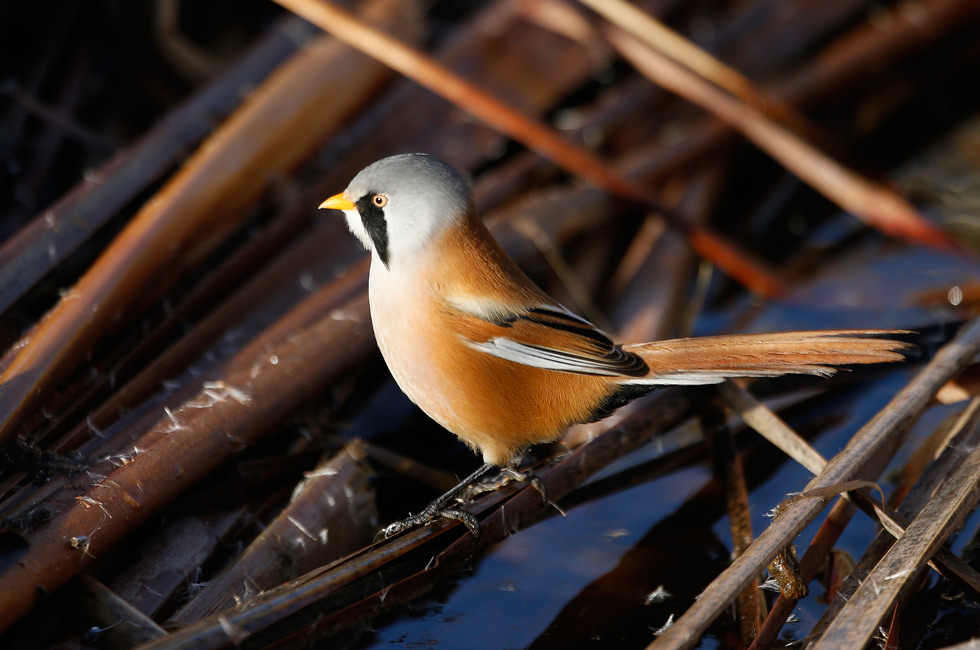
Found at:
(654, 33)
(50, 238)
(966, 436)
(823, 542)
(880, 591)
(773, 429)
(507, 119)
(873, 203)
(279, 125)
(848, 464)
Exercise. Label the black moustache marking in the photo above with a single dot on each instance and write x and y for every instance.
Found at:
(374, 222)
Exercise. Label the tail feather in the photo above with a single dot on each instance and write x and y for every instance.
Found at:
(712, 359)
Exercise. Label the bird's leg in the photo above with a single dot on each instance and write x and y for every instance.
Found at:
(440, 508)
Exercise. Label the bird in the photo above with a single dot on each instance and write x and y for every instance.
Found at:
(488, 355)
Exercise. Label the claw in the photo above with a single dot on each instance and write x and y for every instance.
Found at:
(527, 477)
(534, 482)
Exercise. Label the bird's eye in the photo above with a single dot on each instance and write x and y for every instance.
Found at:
(380, 200)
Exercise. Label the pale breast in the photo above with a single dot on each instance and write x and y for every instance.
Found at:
(398, 315)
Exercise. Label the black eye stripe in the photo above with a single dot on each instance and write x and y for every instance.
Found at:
(373, 218)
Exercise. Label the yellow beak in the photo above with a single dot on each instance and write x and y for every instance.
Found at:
(338, 202)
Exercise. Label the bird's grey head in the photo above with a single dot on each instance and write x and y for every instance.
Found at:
(398, 204)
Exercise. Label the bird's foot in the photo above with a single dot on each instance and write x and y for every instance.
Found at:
(427, 516)
(440, 508)
(515, 474)
(510, 473)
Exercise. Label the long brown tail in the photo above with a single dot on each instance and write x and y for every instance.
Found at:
(711, 359)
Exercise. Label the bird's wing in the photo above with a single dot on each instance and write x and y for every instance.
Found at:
(543, 336)
(548, 336)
